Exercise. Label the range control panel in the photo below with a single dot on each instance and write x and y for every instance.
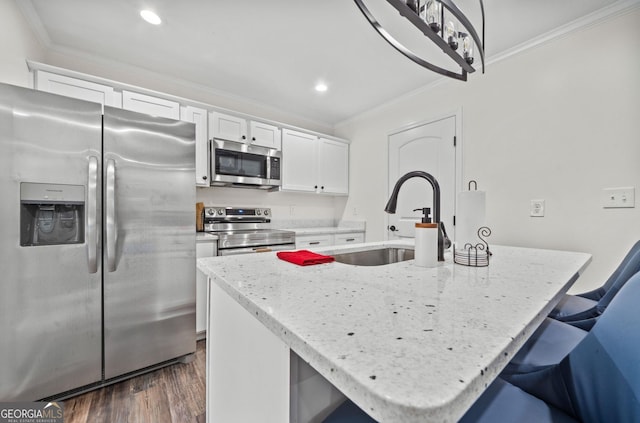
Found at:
(236, 214)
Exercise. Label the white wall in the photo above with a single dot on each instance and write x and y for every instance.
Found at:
(16, 43)
(558, 122)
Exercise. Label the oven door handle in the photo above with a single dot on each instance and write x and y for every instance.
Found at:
(253, 250)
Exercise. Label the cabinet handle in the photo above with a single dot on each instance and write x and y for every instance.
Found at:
(322, 187)
(315, 187)
(314, 243)
(253, 138)
(350, 239)
(204, 177)
(244, 137)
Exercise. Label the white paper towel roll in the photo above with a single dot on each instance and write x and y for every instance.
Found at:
(470, 217)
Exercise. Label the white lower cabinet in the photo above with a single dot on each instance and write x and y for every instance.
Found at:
(324, 240)
(204, 248)
(348, 238)
(313, 241)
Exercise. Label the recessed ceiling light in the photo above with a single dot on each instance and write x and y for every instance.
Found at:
(321, 87)
(150, 17)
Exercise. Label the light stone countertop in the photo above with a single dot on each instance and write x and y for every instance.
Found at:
(405, 343)
(206, 237)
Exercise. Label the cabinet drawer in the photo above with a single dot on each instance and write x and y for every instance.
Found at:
(350, 238)
(313, 241)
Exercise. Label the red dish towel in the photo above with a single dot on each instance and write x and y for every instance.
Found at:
(304, 257)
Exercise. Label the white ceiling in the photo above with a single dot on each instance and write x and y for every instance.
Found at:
(274, 51)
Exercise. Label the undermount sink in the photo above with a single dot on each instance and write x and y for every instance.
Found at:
(377, 257)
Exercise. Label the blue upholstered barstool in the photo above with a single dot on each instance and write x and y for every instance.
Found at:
(582, 310)
(597, 382)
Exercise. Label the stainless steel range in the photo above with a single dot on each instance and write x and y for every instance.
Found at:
(246, 230)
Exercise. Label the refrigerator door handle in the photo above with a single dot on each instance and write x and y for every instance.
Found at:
(92, 213)
(112, 227)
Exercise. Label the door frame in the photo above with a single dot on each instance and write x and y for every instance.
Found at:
(459, 171)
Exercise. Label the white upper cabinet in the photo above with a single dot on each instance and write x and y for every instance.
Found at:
(234, 128)
(265, 135)
(333, 166)
(76, 88)
(299, 157)
(313, 164)
(154, 106)
(199, 117)
(228, 127)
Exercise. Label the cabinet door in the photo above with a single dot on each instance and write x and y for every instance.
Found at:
(265, 135)
(228, 127)
(203, 249)
(76, 88)
(154, 106)
(333, 166)
(299, 161)
(199, 117)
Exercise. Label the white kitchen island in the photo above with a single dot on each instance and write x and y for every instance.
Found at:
(406, 344)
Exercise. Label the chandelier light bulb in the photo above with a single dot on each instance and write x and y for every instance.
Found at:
(467, 48)
(433, 15)
(451, 36)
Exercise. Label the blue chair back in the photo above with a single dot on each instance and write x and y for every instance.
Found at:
(615, 278)
(599, 381)
(631, 267)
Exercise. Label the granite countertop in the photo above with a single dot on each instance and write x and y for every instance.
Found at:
(405, 343)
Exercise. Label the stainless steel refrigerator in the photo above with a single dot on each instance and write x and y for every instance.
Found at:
(97, 243)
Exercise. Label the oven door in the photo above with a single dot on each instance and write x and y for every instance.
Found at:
(252, 250)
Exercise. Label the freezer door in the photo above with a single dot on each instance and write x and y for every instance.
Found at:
(50, 287)
(149, 232)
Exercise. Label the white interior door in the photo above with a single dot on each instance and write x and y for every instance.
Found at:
(429, 148)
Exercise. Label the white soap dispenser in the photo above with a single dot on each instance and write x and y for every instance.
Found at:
(426, 249)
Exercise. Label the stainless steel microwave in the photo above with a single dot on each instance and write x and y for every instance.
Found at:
(242, 165)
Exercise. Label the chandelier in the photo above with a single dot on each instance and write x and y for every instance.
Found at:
(444, 24)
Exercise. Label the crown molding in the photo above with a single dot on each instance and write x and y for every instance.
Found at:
(31, 16)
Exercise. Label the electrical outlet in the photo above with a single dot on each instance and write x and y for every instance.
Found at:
(537, 208)
(618, 197)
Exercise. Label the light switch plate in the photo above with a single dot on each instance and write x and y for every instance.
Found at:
(618, 197)
(537, 208)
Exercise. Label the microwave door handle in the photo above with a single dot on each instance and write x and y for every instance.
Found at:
(111, 224)
(92, 214)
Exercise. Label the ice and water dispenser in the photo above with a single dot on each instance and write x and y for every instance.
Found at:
(51, 214)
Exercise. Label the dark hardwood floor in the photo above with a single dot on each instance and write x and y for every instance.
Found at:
(174, 394)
